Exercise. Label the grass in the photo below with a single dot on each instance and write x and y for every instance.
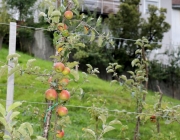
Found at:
(97, 92)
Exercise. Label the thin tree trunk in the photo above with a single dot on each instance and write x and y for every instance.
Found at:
(47, 120)
(1, 41)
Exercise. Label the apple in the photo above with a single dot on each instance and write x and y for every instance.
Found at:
(68, 14)
(60, 134)
(64, 81)
(62, 26)
(153, 118)
(51, 94)
(65, 33)
(66, 71)
(59, 67)
(62, 111)
(64, 95)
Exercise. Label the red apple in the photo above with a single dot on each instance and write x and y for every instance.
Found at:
(62, 26)
(68, 14)
(59, 67)
(66, 71)
(51, 94)
(60, 134)
(64, 81)
(64, 95)
(62, 111)
(153, 118)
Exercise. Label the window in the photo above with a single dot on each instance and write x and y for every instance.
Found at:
(150, 2)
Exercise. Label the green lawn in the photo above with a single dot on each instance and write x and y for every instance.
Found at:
(96, 91)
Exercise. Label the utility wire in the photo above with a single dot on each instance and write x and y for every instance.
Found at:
(115, 38)
(86, 107)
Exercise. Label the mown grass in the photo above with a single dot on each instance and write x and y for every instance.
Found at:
(96, 92)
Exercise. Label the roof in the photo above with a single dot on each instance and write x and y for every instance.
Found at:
(176, 2)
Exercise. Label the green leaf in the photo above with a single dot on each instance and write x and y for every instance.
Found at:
(139, 43)
(72, 64)
(138, 51)
(102, 118)
(76, 3)
(76, 12)
(50, 10)
(14, 114)
(99, 20)
(55, 19)
(22, 130)
(29, 128)
(81, 44)
(89, 66)
(90, 132)
(3, 70)
(117, 66)
(92, 36)
(147, 46)
(123, 77)
(109, 67)
(6, 137)
(13, 70)
(100, 40)
(113, 81)
(134, 62)
(131, 72)
(114, 122)
(30, 63)
(108, 128)
(2, 110)
(11, 56)
(3, 121)
(110, 70)
(140, 78)
(130, 81)
(89, 19)
(75, 74)
(13, 106)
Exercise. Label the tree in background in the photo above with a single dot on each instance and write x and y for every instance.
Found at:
(127, 23)
(4, 18)
(23, 6)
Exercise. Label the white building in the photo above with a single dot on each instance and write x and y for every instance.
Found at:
(170, 40)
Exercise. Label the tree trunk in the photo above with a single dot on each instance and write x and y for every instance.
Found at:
(1, 41)
(47, 120)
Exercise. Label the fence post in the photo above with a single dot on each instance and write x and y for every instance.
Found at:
(10, 81)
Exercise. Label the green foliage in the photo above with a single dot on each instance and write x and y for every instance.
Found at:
(24, 7)
(4, 18)
(128, 24)
(155, 25)
(169, 73)
(24, 131)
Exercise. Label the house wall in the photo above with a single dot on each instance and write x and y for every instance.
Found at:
(175, 27)
(167, 38)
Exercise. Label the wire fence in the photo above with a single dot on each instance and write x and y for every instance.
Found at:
(111, 37)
